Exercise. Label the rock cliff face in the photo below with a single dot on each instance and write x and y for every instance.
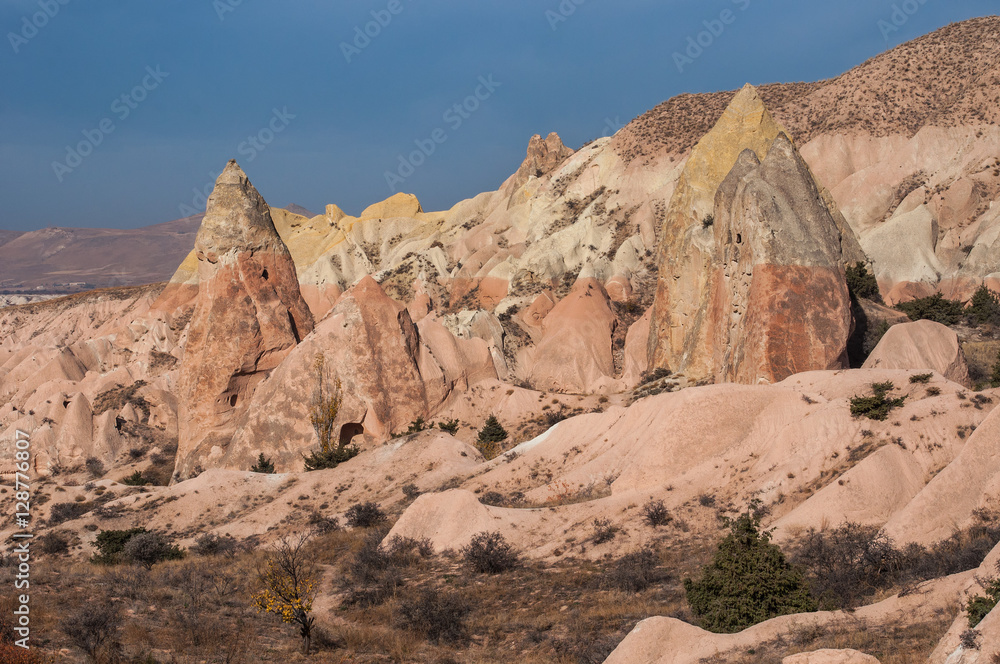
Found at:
(751, 260)
(248, 316)
(780, 304)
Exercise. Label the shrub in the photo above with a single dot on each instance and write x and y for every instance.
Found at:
(655, 513)
(935, 308)
(365, 515)
(332, 458)
(323, 524)
(748, 581)
(995, 377)
(95, 628)
(263, 465)
(984, 307)
(490, 437)
(451, 426)
(53, 543)
(634, 572)
(149, 548)
(873, 335)
(375, 567)
(416, 426)
(706, 500)
(862, 284)
(111, 543)
(933, 391)
(135, 479)
(848, 564)
(876, 407)
(979, 606)
(211, 544)
(411, 490)
(921, 379)
(490, 553)
(94, 467)
(437, 616)
(62, 512)
(129, 581)
(970, 639)
(604, 531)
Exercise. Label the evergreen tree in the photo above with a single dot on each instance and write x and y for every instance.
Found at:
(490, 437)
(749, 580)
(263, 465)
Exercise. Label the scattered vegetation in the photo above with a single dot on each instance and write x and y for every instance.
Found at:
(95, 628)
(94, 467)
(877, 406)
(921, 379)
(748, 581)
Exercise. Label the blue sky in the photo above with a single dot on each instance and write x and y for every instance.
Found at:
(160, 94)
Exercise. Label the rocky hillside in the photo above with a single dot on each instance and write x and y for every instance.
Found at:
(665, 335)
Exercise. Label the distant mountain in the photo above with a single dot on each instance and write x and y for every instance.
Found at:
(299, 210)
(72, 259)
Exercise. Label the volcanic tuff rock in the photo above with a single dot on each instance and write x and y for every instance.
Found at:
(542, 158)
(751, 281)
(921, 346)
(391, 371)
(248, 316)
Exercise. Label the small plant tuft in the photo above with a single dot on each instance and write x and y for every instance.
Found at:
(655, 513)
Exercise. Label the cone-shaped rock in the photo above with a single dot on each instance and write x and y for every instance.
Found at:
(751, 281)
(780, 305)
(679, 333)
(248, 316)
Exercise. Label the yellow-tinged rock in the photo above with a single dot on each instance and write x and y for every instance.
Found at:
(397, 205)
(746, 124)
(334, 214)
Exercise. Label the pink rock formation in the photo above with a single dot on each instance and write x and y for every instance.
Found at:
(575, 351)
(248, 317)
(752, 287)
(921, 346)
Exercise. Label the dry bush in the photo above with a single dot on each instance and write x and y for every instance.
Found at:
(490, 553)
(438, 617)
(95, 628)
(634, 572)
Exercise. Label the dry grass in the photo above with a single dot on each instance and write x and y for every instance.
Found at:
(981, 357)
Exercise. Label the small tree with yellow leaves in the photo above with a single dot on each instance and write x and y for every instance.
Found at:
(287, 586)
(323, 416)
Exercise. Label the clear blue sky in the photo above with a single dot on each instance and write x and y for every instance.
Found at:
(227, 65)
